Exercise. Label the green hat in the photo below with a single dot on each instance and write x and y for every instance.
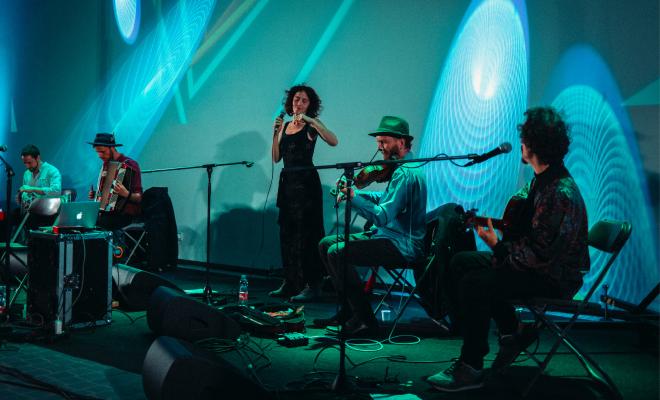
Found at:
(392, 126)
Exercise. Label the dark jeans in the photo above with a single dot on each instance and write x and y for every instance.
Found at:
(362, 251)
(482, 292)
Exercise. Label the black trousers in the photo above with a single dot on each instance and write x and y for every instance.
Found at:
(481, 291)
(362, 251)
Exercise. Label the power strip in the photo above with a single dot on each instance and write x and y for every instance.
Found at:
(293, 339)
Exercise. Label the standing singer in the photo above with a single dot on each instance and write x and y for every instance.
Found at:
(299, 196)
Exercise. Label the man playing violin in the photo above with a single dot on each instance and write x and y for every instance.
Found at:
(397, 235)
(542, 257)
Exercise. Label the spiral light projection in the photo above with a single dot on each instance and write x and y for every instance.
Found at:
(603, 166)
(139, 89)
(127, 16)
(479, 100)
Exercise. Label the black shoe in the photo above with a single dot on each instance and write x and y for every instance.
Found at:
(308, 294)
(286, 290)
(510, 348)
(457, 378)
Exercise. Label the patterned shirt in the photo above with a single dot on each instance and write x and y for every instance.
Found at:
(398, 213)
(553, 240)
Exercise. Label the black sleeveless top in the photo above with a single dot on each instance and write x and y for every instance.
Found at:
(300, 188)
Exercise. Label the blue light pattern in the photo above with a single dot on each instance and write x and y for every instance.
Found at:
(127, 15)
(605, 160)
(481, 96)
(141, 87)
(603, 166)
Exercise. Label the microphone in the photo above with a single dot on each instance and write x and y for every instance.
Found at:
(501, 149)
(277, 126)
(249, 164)
(3, 147)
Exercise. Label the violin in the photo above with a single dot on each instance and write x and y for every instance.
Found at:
(374, 173)
(368, 175)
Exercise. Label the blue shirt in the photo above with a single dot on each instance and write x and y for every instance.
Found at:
(47, 179)
(398, 213)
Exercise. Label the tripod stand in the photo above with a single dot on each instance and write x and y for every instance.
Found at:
(207, 292)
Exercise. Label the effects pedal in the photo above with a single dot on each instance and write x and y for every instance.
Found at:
(293, 339)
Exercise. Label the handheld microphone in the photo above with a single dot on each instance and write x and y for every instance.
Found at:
(3, 147)
(277, 126)
(501, 149)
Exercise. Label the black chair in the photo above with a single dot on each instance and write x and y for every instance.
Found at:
(607, 236)
(135, 233)
(445, 236)
(154, 234)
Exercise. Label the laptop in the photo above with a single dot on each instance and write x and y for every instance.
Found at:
(80, 215)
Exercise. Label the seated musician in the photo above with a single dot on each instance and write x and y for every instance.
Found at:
(541, 257)
(396, 239)
(40, 179)
(129, 192)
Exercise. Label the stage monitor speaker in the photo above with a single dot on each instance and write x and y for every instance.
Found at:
(69, 278)
(133, 287)
(174, 314)
(175, 369)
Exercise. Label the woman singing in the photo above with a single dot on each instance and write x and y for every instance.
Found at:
(299, 195)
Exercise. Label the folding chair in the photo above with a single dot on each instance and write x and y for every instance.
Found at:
(607, 236)
(398, 276)
(136, 234)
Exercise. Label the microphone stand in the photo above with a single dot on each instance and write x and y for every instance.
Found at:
(7, 271)
(341, 383)
(207, 292)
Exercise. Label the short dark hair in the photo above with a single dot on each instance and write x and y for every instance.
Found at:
(546, 134)
(314, 108)
(30, 150)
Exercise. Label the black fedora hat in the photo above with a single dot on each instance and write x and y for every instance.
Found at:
(105, 139)
(392, 126)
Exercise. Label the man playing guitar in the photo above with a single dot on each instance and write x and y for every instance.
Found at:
(541, 254)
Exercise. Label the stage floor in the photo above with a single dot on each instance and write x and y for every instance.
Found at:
(106, 362)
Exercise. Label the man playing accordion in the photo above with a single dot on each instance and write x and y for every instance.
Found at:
(119, 187)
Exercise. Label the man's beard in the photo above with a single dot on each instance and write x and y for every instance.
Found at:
(393, 154)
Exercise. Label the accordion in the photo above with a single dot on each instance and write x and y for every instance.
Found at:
(112, 172)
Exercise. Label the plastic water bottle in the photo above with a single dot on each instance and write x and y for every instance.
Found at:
(243, 291)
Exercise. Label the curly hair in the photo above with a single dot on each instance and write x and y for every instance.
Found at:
(546, 134)
(314, 108)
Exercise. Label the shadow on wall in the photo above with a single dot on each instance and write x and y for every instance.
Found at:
(236, 230)
(238, 239)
